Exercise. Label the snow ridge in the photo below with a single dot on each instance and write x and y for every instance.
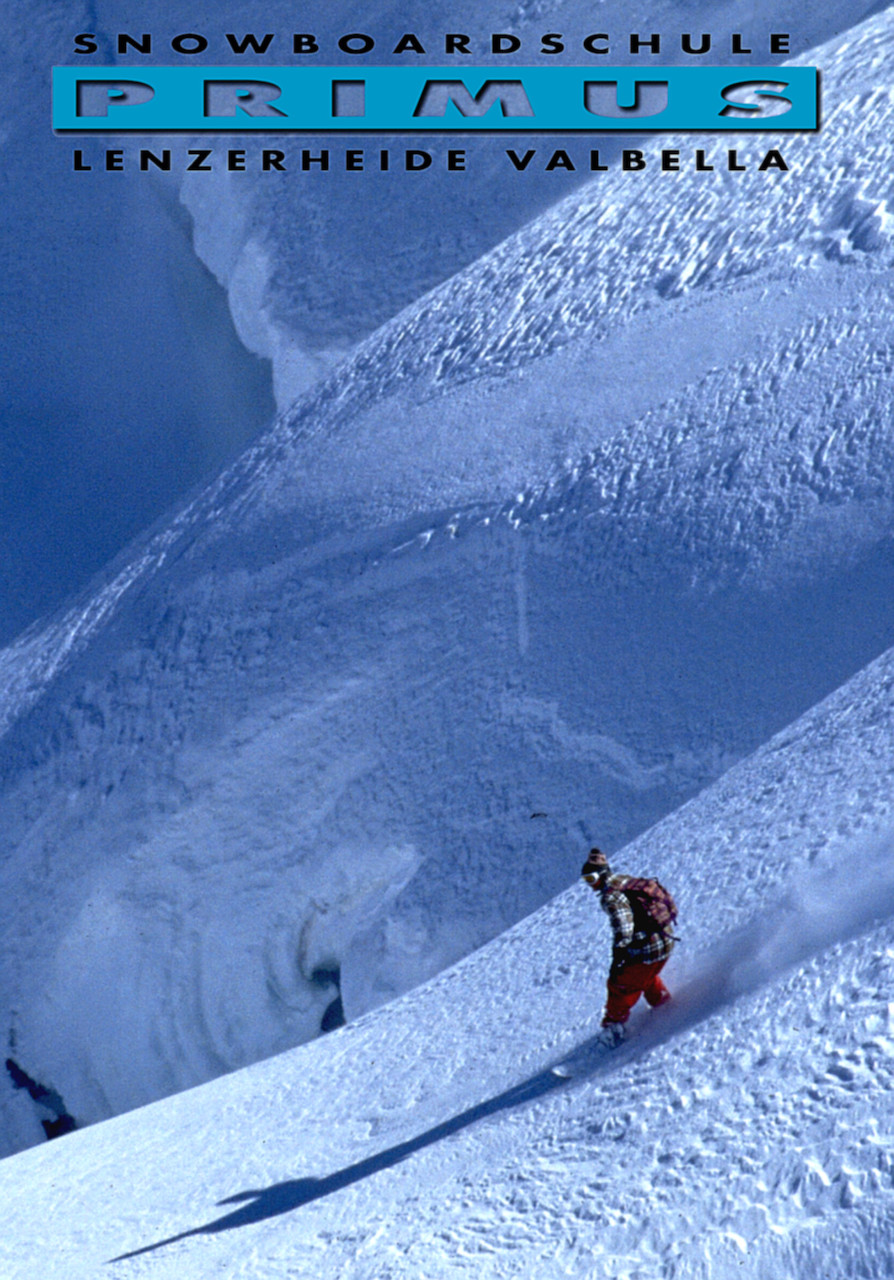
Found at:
(438, 599)
(744, 1131)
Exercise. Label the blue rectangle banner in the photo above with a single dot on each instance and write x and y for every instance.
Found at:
(276, 99)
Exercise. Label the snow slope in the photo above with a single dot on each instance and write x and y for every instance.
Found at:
(266, 236)
(497, 566)
(124, 379)
(745, 1131)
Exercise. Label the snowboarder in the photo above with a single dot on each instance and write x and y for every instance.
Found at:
(642, 915)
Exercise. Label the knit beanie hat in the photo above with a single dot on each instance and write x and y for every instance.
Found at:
(596, 864)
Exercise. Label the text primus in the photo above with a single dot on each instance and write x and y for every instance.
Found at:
(404, 99)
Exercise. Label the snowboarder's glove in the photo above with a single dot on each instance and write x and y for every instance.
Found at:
(620, 960)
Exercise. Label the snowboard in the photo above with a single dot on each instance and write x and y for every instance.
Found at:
(584, 1059)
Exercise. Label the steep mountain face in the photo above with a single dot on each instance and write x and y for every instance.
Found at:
(108, 281)
(311, 270)
(745, 1130)
(564, 539)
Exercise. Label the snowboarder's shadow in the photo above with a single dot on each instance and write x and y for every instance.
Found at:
(735, 969)
(283, 1197)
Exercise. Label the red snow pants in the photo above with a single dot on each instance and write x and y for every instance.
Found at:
(626, 985)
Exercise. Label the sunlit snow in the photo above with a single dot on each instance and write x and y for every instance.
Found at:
(594, 536)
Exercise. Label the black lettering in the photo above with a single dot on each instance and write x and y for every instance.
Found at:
(456, 161)
(366, 43)
(779, 42)
(559, 160)
(595, 165)
(257, 46)
(670, 161)
(307, 160)
(354, 161)
(733, 163)
(162, 162)
(78, 163)
(408, 43)
(273, 160)
(198, 164)
(416, 161)
(700, 164)
(304, 44)
(591, 46)
(737, 43)
(178, 44)
(653, 44)
(114, 161)
(552, 42)
(85, 43)
(456, 43)
(773, 160)
(687, 47)
(632, 160)
(502, 43)
(143, 45)
(236, 161)
(521, 162)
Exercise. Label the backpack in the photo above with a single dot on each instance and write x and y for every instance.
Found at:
(654, 910)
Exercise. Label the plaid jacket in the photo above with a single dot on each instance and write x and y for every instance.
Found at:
(636, 946)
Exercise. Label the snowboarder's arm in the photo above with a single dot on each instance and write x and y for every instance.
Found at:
(617, 907)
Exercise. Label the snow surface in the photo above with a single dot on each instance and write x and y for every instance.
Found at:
(265, 235)
(743, 1131)
(495, 566)
(125, 381)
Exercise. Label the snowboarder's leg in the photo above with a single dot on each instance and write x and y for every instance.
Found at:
(626, 985)
(624, 989)
(655, 991)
